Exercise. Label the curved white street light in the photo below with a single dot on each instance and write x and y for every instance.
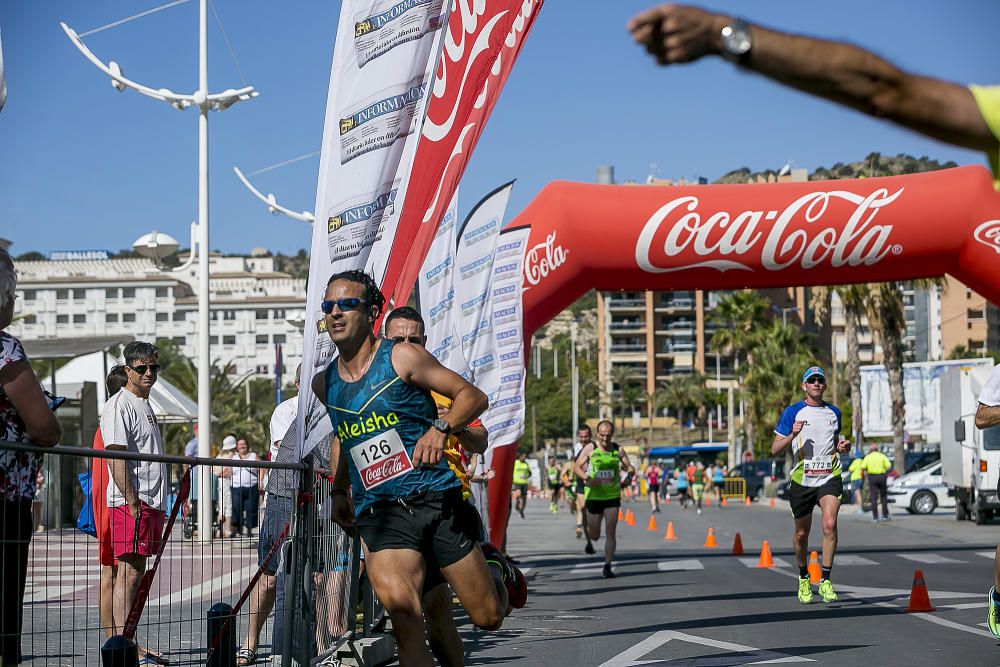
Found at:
(204, 101)
(271, 201)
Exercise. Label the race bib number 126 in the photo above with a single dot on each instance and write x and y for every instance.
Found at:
(380, 459)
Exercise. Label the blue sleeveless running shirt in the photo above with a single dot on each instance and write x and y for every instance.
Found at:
(379, 419)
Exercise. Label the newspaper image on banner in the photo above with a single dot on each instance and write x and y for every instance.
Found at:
(355, 225)
(386, 25)
(504, 419)
(370, 135)
(437, 296)
(381, 120)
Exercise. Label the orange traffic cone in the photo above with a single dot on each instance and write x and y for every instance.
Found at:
(765, 556)
(815, 573)
(670, 534)
(652, 524)
(738, 545)
(708, 500)
(920, 601)
(629, 517)
(772, 502)
(747, 501)
(668, 498)
(620, 516)
(710, 539)
(724, 502)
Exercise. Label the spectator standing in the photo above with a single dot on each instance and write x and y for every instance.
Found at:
(246, 491)
(857, 482)
(224, 484)
(116, 379)
(191, 449)
(137, 491)
(877, 466)
(24, 417)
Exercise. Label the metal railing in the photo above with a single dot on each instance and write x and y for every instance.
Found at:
(314, 562)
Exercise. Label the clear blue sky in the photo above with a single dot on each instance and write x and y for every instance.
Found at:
(85, 167)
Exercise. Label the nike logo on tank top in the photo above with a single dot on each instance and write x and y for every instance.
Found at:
(379, 419)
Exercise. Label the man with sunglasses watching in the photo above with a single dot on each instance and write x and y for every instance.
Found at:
(137, 494)
(811, 428)
(405, 501)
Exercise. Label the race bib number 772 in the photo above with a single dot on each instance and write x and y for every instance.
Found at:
(381, 458)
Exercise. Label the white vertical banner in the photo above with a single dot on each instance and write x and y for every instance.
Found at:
(504, 419)
(384, 61)
(437, 295)
(477, 242)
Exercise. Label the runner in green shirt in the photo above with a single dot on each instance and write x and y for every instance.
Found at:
(555, 485)
(522, 478)
(598, 465)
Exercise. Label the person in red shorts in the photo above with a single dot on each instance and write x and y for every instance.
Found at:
(116, 379)
(136, 494)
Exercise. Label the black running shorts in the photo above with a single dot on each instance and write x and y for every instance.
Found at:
(803, 499)
(598, 506)
(440, 525)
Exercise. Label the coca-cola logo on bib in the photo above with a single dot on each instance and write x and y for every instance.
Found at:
(377, 473)
(772, 239)
(543, 259)
(988, 234)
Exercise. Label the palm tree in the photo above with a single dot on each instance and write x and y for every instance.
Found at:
(853, 298)
(621, 378)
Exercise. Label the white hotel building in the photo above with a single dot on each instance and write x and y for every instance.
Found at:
(252, 307)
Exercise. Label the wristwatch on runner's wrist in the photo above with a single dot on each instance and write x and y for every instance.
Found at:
(442, 425)
(736, 41)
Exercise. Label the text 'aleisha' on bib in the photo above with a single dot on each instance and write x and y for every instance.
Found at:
(818, 466)
(380, 459)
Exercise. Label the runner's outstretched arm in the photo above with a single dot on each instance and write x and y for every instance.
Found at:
(840, 72)
(418, 367)
(987, 416)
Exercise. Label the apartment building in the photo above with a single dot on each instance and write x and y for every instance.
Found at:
(253, 307)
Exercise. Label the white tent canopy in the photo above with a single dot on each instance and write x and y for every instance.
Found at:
(170, 404)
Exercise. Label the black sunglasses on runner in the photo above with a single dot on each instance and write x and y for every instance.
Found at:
(416, 340)
(345, 305)
(816, 379)
(142, 368)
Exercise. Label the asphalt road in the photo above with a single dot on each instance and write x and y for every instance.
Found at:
(678, 603)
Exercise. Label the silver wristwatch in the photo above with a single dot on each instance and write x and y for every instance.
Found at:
(442, 425)
(736, 41)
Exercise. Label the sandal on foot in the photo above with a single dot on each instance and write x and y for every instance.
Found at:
(246, 656)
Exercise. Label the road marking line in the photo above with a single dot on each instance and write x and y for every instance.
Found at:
(752, 562)
(680, 565)
(987, 554)
(632, 657)
(929, 559)
(228, 580)
(51, 592)
(965, 605)
(851, 559)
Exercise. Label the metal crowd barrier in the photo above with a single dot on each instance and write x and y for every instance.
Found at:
(734, 487)
(321, 608)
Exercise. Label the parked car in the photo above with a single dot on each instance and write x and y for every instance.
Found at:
(758, 473)
(922, 491)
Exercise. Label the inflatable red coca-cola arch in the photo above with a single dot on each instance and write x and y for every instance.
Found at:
(614, 237)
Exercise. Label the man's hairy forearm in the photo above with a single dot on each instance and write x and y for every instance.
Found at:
(987, 416)
(119, 473)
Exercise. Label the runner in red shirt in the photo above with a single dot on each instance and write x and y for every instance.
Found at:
(653, 476)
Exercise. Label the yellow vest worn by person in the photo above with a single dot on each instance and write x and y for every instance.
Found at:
(876, 463)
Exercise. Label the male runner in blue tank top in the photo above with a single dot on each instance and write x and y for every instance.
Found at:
(405, 501)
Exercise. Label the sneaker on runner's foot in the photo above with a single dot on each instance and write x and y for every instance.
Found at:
(805, 591)
(513, 578)
(608, 574)
(826, 591)
(589, 549)
(993, 614)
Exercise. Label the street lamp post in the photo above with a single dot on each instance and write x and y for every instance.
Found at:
(205, 102)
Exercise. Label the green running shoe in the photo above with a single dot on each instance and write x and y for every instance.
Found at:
(826, 591)
(993, 615)
(805, 591)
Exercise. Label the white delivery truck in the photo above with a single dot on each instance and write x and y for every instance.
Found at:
(970, 458)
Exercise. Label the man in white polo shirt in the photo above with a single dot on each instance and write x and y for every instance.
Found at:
(137, 492)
